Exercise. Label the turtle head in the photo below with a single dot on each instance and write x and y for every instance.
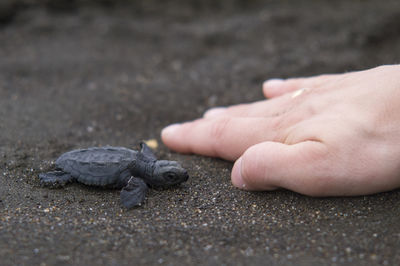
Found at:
(167, 173)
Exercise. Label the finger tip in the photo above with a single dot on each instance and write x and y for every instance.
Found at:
(271, 87)
(169, 132)
(236, 176)
(273, 84)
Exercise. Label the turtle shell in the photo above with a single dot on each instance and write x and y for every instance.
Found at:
(101, 166)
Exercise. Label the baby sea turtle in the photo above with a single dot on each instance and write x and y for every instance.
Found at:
(116, 167)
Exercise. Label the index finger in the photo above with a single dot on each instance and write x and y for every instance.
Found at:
(225, 137)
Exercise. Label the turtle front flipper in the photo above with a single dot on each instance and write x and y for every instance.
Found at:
(133, 193)
(55, 179)
(146, 152)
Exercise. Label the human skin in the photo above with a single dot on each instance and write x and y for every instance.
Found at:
(338, 137)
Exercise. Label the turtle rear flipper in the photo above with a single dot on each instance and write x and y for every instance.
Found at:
(55, 179)
(134, 193)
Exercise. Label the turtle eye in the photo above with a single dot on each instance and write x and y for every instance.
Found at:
(170, 176)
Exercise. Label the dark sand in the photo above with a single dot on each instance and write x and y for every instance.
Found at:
(81, 75)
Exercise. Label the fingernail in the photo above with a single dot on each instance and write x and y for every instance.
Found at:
(214, 112)
(273, 83)
(170, 130)
(236, 176)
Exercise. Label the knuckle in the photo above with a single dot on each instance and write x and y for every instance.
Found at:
(218, 135)
(276, 123)
(219, 128)
(278, 128)
(383, 67)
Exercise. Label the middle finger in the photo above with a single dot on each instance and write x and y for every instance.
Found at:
(265, 108)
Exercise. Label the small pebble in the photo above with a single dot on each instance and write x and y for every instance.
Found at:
(152, 143)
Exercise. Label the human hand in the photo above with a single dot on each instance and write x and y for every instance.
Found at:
(339, 135)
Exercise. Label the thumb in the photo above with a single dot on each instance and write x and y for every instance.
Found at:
(300, 167)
